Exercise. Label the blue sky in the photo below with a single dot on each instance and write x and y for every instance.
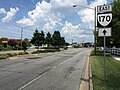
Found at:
(48, 15)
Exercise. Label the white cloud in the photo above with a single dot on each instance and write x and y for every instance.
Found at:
(10, 15)
(26, 21)
(50, 15)
(66, 3)
(2, 10)
(86, 14)
(43, 11)
(75, 30)
(40, 12)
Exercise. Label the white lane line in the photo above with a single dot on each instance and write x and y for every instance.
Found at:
(41, 75)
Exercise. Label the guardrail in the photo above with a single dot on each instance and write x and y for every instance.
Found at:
(114, 51)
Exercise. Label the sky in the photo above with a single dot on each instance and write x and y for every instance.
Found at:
(74, 23)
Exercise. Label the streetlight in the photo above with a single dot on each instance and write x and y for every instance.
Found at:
(22, 33)
(94, 24)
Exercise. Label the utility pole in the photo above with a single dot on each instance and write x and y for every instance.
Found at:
(95, 35)
(21, 37)
(95, 32)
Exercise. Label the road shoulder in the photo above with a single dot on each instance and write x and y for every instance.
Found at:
(86, 83)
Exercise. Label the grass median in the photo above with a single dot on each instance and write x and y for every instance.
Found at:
(113, 72)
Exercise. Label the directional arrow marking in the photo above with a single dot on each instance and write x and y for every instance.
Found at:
(104, 32)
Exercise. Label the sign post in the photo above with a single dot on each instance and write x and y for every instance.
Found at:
(104, 18)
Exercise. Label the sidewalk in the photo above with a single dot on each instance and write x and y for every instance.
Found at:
(86, 83)
(116, 57)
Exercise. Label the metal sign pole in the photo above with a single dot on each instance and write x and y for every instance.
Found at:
(104, 59)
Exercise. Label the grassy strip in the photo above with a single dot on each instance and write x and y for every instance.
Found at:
(113, 72)
(45, 51)
(7, 55)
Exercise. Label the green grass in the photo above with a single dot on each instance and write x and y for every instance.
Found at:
(113, 72)
(46, 51)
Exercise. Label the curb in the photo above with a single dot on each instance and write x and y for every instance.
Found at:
(86, 83)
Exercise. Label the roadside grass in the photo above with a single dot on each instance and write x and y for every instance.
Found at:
(113, 72)
(45, 51)
(7, 55)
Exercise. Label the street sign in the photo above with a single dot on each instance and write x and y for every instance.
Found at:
(104, 8)
(104, 16)
(104, 32)
(104, 19)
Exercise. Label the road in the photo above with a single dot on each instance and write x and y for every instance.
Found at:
(57, 71)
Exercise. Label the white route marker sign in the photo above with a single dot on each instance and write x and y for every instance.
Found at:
(105, 19)
(104, 32)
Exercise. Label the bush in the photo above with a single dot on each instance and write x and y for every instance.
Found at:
(22, 53)
(5, 49)
(3, 56)
(65, 48)
(35, 52)
(50, 48)
(45, 51)
(11, 54)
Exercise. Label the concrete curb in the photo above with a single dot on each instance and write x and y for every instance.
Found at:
(86, 83)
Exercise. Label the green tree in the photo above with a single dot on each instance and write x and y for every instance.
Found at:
(24, 45)
(48, 39)
(42, 37)
(57, 39)
(114, 40)
(38, 38)
(116, 24)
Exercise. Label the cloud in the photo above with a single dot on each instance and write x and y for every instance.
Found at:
(26, 21)
(40, 12)
(53, 14)
(10, 15)
(86, 14)
(75, 30)
(2, 10)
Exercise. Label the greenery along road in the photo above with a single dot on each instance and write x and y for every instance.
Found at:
(113, 73)
(114, 39)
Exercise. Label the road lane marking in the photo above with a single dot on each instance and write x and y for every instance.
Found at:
(22, 87)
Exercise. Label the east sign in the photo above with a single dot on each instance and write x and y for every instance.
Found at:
(104, 16)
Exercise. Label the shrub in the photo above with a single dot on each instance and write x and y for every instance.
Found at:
(11, 54)
(65, 48)
(3, 56)
(22, 53)
(45, 51)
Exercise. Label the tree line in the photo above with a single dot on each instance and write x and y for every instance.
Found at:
(56, 40)
(114, 40)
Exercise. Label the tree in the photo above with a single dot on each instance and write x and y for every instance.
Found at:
(24, 45)
(48, 39)
(28, 42)
(38, 38)
(57, 39)
(42, 37)
(114, 39)
(116, 24)
(12, 43)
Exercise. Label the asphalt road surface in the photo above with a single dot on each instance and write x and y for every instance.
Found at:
(57, 71)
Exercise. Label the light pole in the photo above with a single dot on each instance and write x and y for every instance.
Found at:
(22, 34)
(21, 37)
(94, 32)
